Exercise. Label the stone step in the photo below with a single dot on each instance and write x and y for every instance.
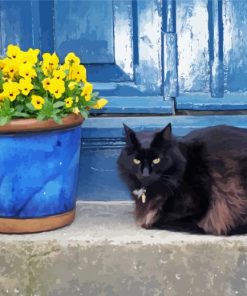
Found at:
(103, 253)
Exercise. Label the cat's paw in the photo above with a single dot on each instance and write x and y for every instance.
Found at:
(148, 219)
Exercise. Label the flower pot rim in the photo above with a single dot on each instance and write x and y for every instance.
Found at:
(34, 125)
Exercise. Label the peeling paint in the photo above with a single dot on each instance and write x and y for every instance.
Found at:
(123, 32)
(193, 59)
(78, 28)
(148, 71)
(235, 44)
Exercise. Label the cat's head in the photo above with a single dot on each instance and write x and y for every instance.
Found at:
(150, 156)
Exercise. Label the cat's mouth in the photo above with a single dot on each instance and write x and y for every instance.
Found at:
(146, 181)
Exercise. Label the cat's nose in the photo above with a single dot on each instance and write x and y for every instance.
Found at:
(145, 172)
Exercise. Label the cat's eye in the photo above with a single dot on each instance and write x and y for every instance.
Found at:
(156, 160)
(136, 161)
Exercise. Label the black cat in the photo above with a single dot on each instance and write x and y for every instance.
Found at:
(198, 182)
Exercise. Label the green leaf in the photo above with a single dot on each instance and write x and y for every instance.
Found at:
(90, 103)
(58, 104)
(36, 87)
(85, 114)
(41, 116)
(47, 109)
(57, 119)
(4, 120)
(6, 104)
(21, 114)
(30, 106)
(19, 108)
(95, 94)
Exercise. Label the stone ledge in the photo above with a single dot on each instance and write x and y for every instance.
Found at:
(104, 253)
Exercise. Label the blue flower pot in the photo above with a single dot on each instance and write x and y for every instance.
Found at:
(39, 164)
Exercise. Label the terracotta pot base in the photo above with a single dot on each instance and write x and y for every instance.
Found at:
(32, 225)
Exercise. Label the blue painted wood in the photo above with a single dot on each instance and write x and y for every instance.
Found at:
(169, 16)
(36, 28)
(203, 102)
(235, 44)
(148, 71)
(122, 89)
(169, 46)
(140, 105)
(106, 73)
(1, 41)
(39, 173)
(216, 48)
(103, 139)
(16, 24)
(196, 46)
(193, 36)
(170, 65)
(211, 46)
(111, 127)
(85, 27)
(98, 177)
(123, 36)
(46, 21)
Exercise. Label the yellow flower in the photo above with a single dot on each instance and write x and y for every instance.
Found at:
(75, 72)
(25, 86)
(27, 71)
(78, 73)
(71, 59)
(50, 63)
(33, 53)
(87, 89)
(64, 67)
(11, 90)
(57, 88)
(51, 59)
(2, 96)
(76, 110)
(47, 83)
(2, 64)
(72, 85)
(37, 102)
(87, 97)
(11, 68)
(58, 74)
(13, 51)
(68, 102)
(45, 69)
(29, 57)
(100, 103)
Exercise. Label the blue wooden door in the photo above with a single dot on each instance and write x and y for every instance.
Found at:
(194, 50)
(212, 60)
(119, 41)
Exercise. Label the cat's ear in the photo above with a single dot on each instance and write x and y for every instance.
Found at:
(130, 136)
(167, 132)
(162, 136)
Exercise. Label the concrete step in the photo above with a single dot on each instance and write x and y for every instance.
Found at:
(103, 253)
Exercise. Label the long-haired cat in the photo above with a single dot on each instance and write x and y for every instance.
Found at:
(195, 182)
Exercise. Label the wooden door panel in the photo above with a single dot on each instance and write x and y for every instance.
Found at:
(235, 45)
(193, 51)
(85, 27)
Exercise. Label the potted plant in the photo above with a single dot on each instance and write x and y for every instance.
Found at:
(42, 106)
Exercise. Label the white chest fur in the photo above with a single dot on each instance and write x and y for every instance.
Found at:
(140, 193)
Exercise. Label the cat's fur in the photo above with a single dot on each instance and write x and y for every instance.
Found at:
(200, 182)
